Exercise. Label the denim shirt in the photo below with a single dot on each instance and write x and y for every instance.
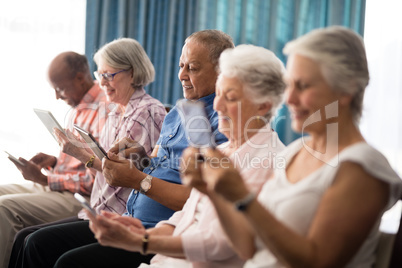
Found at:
(165, 166)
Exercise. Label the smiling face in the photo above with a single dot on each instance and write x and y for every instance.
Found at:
(197, 73)
(120, 89)
(306, 93)
(237, 114)
(67, 89)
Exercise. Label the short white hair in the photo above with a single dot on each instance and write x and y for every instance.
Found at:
(126, 53)
(341, 54)
(260, 72)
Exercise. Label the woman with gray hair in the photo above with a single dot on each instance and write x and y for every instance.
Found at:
(323, 205)
(248, 90)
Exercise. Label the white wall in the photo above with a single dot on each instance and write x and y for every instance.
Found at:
(31, 34)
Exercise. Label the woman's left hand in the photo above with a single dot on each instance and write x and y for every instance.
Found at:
(113, 230)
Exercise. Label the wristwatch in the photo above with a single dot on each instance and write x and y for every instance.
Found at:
(242, 204)
(146, 184)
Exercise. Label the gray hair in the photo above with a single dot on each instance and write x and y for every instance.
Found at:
(342, 57)
(126, 53)
(215, 41)
(260, 72)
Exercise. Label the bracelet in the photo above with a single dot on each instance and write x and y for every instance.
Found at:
(242, 204)
(145, 241)
(90, 162)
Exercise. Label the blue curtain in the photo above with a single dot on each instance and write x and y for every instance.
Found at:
(161, 27)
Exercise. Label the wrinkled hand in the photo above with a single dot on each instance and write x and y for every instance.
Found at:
(44, 160)
(132, 150)
(71, 144)
(31, 171)
(113, 230)
(219, 175)
(121, 172)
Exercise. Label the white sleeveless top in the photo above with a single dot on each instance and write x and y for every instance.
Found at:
(296, 204)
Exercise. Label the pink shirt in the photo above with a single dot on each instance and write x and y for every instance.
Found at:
(142, 121)
(69, 173)
(204, 241)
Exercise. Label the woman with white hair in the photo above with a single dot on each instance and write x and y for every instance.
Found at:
(322, 208)
(248, 90)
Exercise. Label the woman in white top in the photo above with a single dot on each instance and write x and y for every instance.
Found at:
(323, 206)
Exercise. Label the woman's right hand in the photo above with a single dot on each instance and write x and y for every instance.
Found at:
(190, 169)
(71, 144)
(211, 171)
(222, 177)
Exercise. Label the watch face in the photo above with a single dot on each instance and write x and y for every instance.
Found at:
(145, 185)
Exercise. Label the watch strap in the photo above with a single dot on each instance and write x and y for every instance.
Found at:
(242, 204)
(145, 241)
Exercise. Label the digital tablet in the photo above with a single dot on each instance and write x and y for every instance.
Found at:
(84, 203)
(11, 157)
(49, 121)
(196, 124)
(92, 143)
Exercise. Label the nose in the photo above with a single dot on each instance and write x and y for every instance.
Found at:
(103, 81)
(183, 75)
(218, 104)
(291, 95)
(57, 94)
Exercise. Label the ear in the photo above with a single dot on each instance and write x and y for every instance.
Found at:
(264, 108)
(79, 76)
(345, 99)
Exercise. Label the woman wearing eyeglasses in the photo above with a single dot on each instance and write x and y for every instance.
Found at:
(124, 69)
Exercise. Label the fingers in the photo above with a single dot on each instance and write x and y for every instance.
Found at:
(130, 221)
(90, 215)
(110, 215)
(122, 144)
(189, 157)
(60, 137)
(191, 171)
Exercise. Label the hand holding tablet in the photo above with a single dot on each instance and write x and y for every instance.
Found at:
(92, 143)
(14, 159)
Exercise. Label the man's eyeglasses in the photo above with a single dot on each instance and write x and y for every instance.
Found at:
(107, 76)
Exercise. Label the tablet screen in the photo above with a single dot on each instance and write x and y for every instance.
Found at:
(92, 143)
(196, 124)
(48, 120)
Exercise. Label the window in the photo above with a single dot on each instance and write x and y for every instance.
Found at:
(381, 122)
(32, 33)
